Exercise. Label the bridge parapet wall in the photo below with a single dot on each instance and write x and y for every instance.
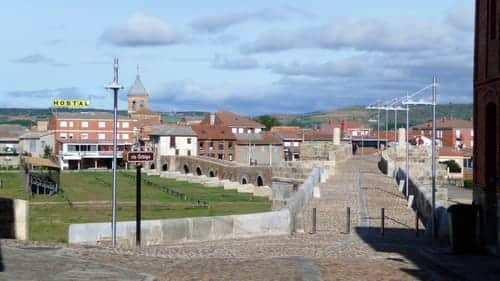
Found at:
(393, 164)
(221, 169)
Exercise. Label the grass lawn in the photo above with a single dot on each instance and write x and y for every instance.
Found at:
(86, 197)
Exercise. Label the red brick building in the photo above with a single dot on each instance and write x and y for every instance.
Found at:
(85, 139)
(215, 141)
(486, 121)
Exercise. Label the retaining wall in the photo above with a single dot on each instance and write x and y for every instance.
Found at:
(156, 232)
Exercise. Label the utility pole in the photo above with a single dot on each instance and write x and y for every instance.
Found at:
(407, 146)
(434, 233)
(115, 86)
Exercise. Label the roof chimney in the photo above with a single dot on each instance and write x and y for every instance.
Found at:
(212, 119)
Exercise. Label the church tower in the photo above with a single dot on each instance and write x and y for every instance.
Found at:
(138, 97)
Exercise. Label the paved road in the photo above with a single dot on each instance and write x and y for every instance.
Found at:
(459, 195)
(330, 254)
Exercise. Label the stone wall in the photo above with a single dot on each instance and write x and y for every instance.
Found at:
(420, 183)
(157, 232)
(218, 168)
(14, 218)
(323, 150)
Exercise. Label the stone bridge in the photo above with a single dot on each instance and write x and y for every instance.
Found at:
(224, 170)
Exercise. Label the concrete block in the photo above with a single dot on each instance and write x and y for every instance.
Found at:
(222, 227)
(201, 229)
(175, 230)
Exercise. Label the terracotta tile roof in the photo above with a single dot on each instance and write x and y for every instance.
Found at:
(446, 124)
(88, 115)
(230, 119)
(207, 132)
(451, 151)
(287, 133)
(261, 138)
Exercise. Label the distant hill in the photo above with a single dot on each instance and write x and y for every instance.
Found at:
(418, 115)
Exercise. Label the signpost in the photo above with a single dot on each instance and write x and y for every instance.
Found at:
(139, 157)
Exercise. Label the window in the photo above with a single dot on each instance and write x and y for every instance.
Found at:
(211, 144)
(189, 140)
(71, 123)
(221, 146)
(63, 124)
(70, 135)
(141, 105)
(63, 135)
(133, 104)
(125, 136)
(172, 142)
(32, 146)
(234, 130)
(84, 136)
(125, 125)
(85, 124)
(230, 144)
(101, 136)
(220, 156)
(240, 130)
(230, 157)
(102, 124)
(176, 152)
(201, 145)
(471, 133)
(189, 152)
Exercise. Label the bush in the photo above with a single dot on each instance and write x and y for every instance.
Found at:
(468, 183)
(453, 166)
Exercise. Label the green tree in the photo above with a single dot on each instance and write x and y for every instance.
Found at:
(47, 152)
(268, 121)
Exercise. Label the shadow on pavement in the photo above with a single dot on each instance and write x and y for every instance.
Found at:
(435, 262)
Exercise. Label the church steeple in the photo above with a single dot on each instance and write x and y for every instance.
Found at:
(138, 97)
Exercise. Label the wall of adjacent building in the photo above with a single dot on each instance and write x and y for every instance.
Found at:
(181, 143)
(263, 154)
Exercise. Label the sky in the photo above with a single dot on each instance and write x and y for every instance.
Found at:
(251, 57)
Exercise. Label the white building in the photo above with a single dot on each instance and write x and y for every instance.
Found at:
(35, 143)
(174, 140)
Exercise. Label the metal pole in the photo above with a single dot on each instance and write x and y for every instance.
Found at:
(407, 147)
(386, 126)
(138, 207)
(434, 157)
(115, 117)
(395, 125)
(348, 221)
(382, 222)
(115, 86)
(378, 131)
(314, 221)
(362, 143)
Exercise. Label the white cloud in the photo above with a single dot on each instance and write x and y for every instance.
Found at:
(141, 30)
(38, 58)
(234, 63)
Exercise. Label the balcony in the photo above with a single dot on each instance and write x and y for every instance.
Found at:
(78, 155)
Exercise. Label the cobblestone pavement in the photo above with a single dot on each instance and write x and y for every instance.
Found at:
(330, 254)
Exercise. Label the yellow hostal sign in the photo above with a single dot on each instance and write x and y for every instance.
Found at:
(70, 103)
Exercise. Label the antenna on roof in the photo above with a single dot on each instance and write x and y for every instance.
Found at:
(138, 71)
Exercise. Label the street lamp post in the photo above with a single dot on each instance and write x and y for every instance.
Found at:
(115, 86)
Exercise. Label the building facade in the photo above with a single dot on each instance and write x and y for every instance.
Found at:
(174, 141)
(215, 141)
(450, 132)
(85, 139)
(486, 122)
(258, 149)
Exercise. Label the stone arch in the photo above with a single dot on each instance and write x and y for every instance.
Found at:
(134, 104)
(244, 180)
(185, 169)
(212, 174)
(152, 166)
(164, 167)
(199, 172)
(260, 181)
